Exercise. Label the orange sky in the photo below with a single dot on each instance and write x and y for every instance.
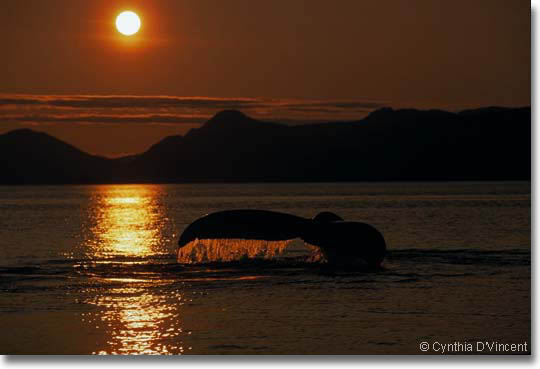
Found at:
(67, 71)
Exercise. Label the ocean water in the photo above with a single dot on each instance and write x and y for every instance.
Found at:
(93, 270)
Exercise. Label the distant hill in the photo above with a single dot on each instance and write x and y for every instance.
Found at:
(388, 145)
(30, 157)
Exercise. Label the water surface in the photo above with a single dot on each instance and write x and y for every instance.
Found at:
(92, 269)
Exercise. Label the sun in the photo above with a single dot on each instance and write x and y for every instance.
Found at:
(128, 23)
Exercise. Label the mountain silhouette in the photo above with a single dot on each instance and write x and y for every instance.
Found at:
(27, 156)
(388, 145)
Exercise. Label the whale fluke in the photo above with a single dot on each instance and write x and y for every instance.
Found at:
(341, 242)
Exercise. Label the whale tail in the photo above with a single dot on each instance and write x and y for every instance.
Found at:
(228, 234)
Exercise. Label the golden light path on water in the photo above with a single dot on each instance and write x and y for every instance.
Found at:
(137, 316)
(139, 322)
(128, 221)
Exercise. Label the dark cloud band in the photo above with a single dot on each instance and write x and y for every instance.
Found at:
(108, 119)
(179, 110)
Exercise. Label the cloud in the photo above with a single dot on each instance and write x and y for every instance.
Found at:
(120, 101)
(327, 105)
(18, 101)
(95, 109)
(107, 119)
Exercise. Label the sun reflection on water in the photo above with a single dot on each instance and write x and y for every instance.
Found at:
(137, 311)
(139, 322)
(127, 221)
